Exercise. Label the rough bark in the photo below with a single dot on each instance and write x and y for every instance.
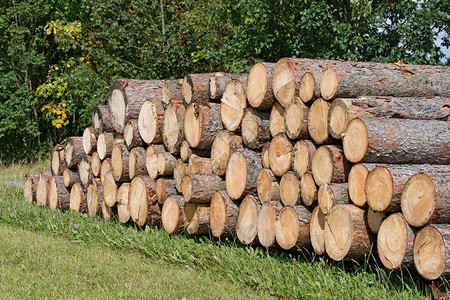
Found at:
(166, 163)
(259, 86)
(73, 150)
(233, 104)
(57, 162)
(58, 194)
(186, 151)
(171, 92)
(201, 124)
(101, 121)
(223, 215)
(255, 128)
(329, 165)
(292, 228)
(224, 143)
(218, 81)
(137, 162)
(173, 127)
(29, 187)
(296, 119)
(200, 188)
(165, 187)
(302, 156)
(195, 88)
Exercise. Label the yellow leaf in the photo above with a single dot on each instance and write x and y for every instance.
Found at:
(58, 126)
(56, 68)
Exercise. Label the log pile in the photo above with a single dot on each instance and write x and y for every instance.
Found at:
(342, 158)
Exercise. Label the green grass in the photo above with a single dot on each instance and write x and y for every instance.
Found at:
(279, 274)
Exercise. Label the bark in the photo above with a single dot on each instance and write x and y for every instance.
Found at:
(131, 135)
(302, 156)
(329, 165)
(259, 86)
(224, 143)
(29, 187)
(201, 124)
(120, 162)
(57, 160)
(332, 194)
(165, 187)
(166, 163)
(186, 151)
(255, 128)
(172, 127)
(218, 81)
(195, 88)
(171, 92)
(296, 119)
(73, 151)
(223, 215)
(200, 188)
(101, 121)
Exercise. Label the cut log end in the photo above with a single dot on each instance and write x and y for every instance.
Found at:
(186, 90)
(233, 105)
(329, 83)
(94, 198)
(317, 231)
(89, 141)
(246, 226)
(379, 189)
(337, 118)
(221, 151)
(374, 219)
(266, 224)
(123, 204)
(170, 215)
(302, 156)
(172, 127)
(42, 188)
(267, 186)
(236, 175)
(193, 126)
(318, 122)
(307, 87)
(308, 189)
(117, 108)
(356, 184)
(109, 189)
(284, 82)
(95, 164)
(280, 154)
(290, 189)
(148, 122)
(186, 188)
(141, 197)
(257, 84)
(355, 140)
(296, 119)
(28, 193)
(223, 215)
(287, 228)
(277, 120)
(322, 166)
(77, 198)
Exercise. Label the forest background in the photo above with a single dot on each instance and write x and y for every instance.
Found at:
(59, 57)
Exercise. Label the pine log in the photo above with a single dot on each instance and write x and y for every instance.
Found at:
(224, 143)
(171, 91)
(123, 203)
(94, 198)
(105, 143)
(329, 165)
(201, 124)
(374, 219)
(357, 183)
(89, 141)
(267, 186)
(196, 218)
(137, 162)
(195, 88)
(318, 122)
(425, 198)
(178, 174)
(186, 151)
(101, 121)
(290, 189)
(58, 195)
(347, 236)
(255, 128)
(105, 168)
(78, 198)
(332, 194)
(280, 154)
(172, 214)
(292, 228)
(242, 173)
(29, 187)
(70, 178)
(151, 159)
(126, 98)
(233, 104)
(199, 165)
(73, 150)
(266, 222)
(276, 121)
(144, 207)
(109, 213)
(131, 135)
(200, 188)
(350, 79)
(218, 81)
(246, 225)
(120, 162)
(172, 127)
(296, 119)
(85, 171)
(302, 156)
(259, 86)
(395, 241)
(118, 138)
(397, 141)
(150, 121)
(431, 251)
(265, 156)
(110, 187)
(223, 215)
(165, 187)
(317, 231)
(57, 163)
(166, 163)
(308, 189)
(96, 164)
(42, 188)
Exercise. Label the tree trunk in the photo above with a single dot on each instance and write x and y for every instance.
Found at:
(73, 150)
(126, 98)
(42, 188)
(426, 198)
(280, 154)
(223, 215)
(105, 144)
(296, 119)
(186, 151)
(374, 219)
(268, 187)
(29, 187)
(200, 188)
(58, 195)
(201, 124)
(120, 162)
(357, 183)
(78, 198)
(246, 225)
(255, 128)
(292, 228)
(259, 86)
(276, 120)
(397, 141)
(242, 173)
(172, 127)
(164, 188)
(350, 79)
(70, 178)
(85, 171)
(166, 163)
(197, 218)
(195, 88)
(178, 174)
(151, 159)
(431, 251)
(290, 189)
(199, 165)
(302, 156)
(89, 141)
(123, 203)
(332, 194)
(224, 143)
(94, 198)
(266, 222)
(137, 162)
(172, 214)
(308, 189)
(218, 81)
(171, 92)
(110, 187)
(329, 165)
(143, 203)
(131, 135)
(150, 121)
(96, 164)
(318, 122)
(347, 236)
(317, 231)
(101, 121)
(233, 104)
(57, 160)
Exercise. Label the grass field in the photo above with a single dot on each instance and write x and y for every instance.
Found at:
(47, 253)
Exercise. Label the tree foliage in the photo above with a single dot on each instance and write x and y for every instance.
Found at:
(57, 58)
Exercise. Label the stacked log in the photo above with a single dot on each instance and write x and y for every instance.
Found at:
(306, 154)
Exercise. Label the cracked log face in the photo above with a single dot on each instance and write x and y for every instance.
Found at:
(284, 86)
(259, 87)
(233, 105)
